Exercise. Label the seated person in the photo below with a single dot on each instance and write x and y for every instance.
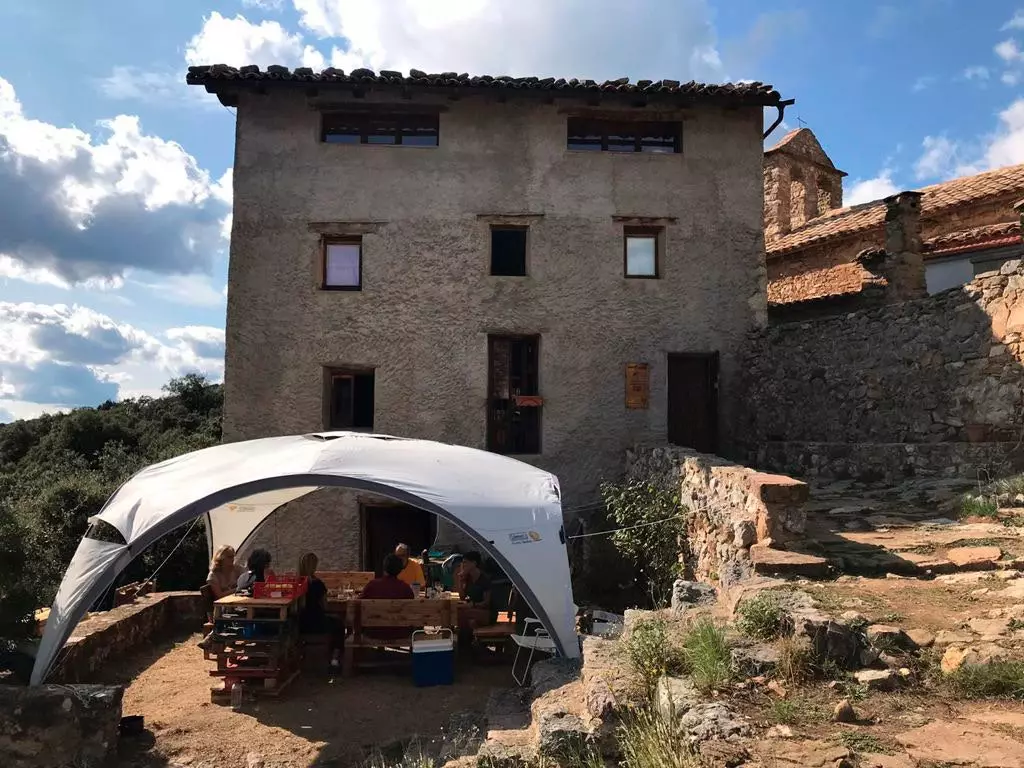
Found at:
(257, 568)
(475, 588)
(314, 619)
(388, 587)
(223, 575)
(412, 572)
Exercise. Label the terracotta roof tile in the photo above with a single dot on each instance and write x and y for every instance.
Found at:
(215, 76)
(975, 238)
(935, 198)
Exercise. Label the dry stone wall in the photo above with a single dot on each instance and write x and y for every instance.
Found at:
(933, 386)
(730, 508)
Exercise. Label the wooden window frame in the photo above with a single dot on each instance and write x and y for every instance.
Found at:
(325, 243)
(330, 376)
(607, 127)
(526, 248)
(364, 118)
(655, 233)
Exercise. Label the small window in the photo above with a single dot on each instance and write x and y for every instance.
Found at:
(343, 265)
(641, 252)
(514, 403)
(350, 400)
(665, 137)
(380, 128)
(508, 251)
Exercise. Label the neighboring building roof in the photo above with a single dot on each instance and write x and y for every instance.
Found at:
(841, 222)
(216, 76)
(973, 239)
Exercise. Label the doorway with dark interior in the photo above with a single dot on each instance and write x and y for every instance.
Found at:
(693, 400)
(387, 526)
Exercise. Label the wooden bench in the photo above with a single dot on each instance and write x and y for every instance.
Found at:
(335, 581)
(404, 615)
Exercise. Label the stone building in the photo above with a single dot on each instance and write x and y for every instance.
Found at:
(552, 269)
(824, 258)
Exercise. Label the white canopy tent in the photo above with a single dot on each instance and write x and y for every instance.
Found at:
(512, 509)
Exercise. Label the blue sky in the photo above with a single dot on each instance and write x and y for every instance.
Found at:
(115, 183)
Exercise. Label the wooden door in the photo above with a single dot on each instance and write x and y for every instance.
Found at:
(693, 400)
(387, 527)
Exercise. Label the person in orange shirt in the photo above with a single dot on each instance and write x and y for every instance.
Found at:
(412, 572)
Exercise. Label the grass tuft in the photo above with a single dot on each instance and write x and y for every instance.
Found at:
(652, 653)
(650, 739)
(998, 679)
(978, 506)
(796, 660)
(763, 617)
(707, 656)
(862, 742)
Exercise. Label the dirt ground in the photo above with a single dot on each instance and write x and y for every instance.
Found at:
(318, 720)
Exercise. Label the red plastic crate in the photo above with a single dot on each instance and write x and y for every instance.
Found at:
(289, 588)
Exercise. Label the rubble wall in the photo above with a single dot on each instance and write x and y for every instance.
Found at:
(730, 508)
(933, 386)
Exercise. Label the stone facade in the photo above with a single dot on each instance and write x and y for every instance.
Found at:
(428, 302)
(102, 637)
(730, 508)
(59, 726)
(933, 386)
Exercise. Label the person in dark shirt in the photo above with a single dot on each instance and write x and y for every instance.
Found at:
(257, 566)
(475, 588)
(388, 587)
(314, 619)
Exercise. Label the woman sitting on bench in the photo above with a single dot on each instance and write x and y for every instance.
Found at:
(314, 619)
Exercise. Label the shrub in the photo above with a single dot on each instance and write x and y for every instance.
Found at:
(653, 547)
(763, 618)
(649, 739)
(707, 656)
(651, 652)
(999, 679)
(978, 506)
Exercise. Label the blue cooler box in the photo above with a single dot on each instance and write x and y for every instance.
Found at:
(433, 658)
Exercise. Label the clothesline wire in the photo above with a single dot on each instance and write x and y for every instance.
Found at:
(180, 542)
(625, 528)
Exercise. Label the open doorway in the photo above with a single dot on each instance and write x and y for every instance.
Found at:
(693, 400)
(386, 526)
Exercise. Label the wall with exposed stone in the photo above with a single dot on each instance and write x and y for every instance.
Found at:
(102, 637)
(933, 386)
(53, 726)
(733, 511)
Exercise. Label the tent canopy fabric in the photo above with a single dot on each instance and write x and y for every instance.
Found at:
(512, 509)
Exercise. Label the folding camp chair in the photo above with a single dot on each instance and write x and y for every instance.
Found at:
(539, 642)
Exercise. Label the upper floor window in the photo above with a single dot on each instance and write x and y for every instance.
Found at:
(598, 135)
(641, 251)
(349, 399)
(343, 264)
(508, 251)
(407, 130)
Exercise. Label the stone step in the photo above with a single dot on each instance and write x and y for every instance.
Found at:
(511, 737)
(769, 561)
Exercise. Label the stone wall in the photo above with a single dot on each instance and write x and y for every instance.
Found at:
(53, 726)
(102, 637)
(933, 386)
(730, 507)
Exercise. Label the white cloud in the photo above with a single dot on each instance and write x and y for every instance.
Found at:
(571, 38)
(923, 83)
(939, 158)
(63, 356)
(266, 5)
(237, 42)
(1009, 51)
(866, 190)
(976, 73)
(1017, 22)
(76, 210)
(190, 290)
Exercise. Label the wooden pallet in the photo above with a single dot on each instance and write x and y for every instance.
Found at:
(272, 686)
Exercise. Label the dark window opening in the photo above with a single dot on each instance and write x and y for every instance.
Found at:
(343, 264)
(664, 137)
(641, 252)
(513, 400)
(508, 251)
(351, 400)
(381, 128)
